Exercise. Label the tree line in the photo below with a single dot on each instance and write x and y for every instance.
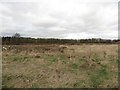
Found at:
(23, 41)
(16, 39)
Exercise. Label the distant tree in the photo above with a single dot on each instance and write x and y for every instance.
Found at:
(16, 38)
(16, 35)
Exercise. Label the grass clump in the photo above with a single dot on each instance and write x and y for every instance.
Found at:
(96, 58)
(5, 86)
(63, 59)
(74, 66)
(51, 59)
(6, 78)
(34, 85)
(82, 60)
(76, 84)
(19, 58)
(98, 77)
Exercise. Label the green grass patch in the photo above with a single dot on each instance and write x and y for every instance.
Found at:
(63, 58)
(19, 58)
(98, 77)
(113, 59)
(82, 60)
(51, 59)
(74, 66)
(6, 78)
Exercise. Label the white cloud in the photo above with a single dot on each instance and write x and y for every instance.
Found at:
(86, 1)
(78, 35)
(60, 19)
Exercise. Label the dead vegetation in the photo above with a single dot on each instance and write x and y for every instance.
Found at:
(60, 66)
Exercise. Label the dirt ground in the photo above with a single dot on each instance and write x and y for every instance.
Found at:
(60, 66)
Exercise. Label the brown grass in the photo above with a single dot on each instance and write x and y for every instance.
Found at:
(60, 66)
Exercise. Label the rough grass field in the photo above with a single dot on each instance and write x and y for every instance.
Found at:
(60, 66)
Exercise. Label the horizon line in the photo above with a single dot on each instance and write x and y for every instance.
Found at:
(62, 38)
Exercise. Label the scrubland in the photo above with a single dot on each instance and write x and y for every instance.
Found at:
(60, 66)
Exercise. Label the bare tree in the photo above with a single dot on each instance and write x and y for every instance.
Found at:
(16, 38)
(16, 35)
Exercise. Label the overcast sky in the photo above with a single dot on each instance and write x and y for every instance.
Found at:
(66, 19)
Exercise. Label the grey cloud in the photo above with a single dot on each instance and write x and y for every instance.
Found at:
(60, 20)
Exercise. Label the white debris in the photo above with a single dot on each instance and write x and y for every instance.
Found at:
(4, 48)
(63, 46)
